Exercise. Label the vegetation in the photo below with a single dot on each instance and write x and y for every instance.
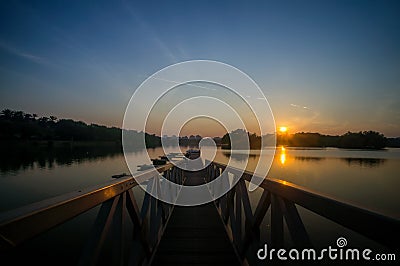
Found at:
(191, 141)
(17, 125)
(360, 140)
(393, 142)
(239, 136)
(21, 155)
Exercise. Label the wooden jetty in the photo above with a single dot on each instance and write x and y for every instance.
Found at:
(195, 235)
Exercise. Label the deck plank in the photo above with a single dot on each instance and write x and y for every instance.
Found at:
(195, 235)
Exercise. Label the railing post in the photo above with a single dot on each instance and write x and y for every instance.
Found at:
(262, 208)
(276, 223)
(118, 234)
(295, 224)
(96, 239)
(238, 218)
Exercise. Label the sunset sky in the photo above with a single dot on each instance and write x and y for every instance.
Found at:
(324, 66)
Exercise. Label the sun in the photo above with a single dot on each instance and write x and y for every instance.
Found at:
(283, 129)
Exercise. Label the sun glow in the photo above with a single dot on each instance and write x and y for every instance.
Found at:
(283, 129)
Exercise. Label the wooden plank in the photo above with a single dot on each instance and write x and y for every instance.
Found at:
(195, 235)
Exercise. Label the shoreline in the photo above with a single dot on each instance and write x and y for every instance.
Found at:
(59, 143)
(114, 144)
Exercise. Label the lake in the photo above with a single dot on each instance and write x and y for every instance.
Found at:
(363, 177)
(369, 179)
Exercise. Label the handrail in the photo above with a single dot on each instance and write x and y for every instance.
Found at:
(41, 216)
(116, 198)
(380, 228)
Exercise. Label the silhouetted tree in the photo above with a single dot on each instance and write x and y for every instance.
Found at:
(242, 140)
(18, 115)
(17, 125)
(6, 114)
(27, 116)
(306, 140)
(366, 139)
(393, 142)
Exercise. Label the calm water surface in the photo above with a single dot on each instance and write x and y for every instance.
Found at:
(369, 179)
(366, 178)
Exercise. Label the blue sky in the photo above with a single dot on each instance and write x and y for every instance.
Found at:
(327, 66)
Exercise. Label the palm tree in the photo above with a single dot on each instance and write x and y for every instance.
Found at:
(43, 120)
(18, 115)
(6, 113)
(28, 116)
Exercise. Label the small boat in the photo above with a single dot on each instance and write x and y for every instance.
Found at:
(164, 158)
(158, 161)
(144, 167)
(119, 176)
(192, 153)
(175, 154)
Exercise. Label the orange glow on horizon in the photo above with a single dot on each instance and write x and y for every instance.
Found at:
(283, 129)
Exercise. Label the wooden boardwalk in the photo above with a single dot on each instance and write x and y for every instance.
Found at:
(195, 235)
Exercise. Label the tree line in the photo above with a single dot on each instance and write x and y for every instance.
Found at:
(349, 140)
(18, 125)
(242, 140)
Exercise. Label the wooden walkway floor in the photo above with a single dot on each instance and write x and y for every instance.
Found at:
(195, 235)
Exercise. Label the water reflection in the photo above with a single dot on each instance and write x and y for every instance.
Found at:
(40, 172)
(357, 162)
(15, 158)
(20, 157)
(239, 157)
(283, 155)
(308, 158)
(364, 162)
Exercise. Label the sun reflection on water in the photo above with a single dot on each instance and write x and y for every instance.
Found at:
(283, 155)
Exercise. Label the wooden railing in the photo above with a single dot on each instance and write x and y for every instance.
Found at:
(282, 197)
(242, 221)
(117, 200)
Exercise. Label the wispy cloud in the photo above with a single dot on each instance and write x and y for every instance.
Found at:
(186, 84)
(299, 106)
(20, 53)
(153, 36)
(303, 117)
